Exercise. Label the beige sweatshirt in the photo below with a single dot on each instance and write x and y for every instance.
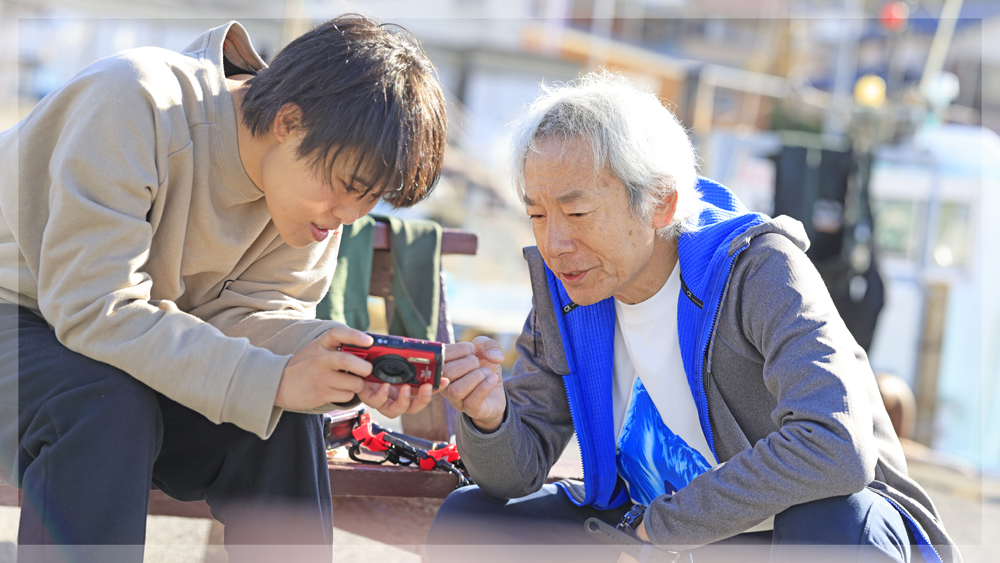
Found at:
(129, 224)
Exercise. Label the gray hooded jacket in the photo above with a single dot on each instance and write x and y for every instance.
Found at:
(795, 412)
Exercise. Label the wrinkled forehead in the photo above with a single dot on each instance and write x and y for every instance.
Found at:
(563, 171)
(575, 151)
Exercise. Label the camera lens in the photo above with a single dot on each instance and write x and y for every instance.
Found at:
(393, 369)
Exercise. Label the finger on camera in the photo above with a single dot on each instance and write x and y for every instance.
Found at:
(389, 408)
(488, 349)
(420, 399)
(334, 395)
(342, 334)
(459, 368)
(385, 400)
(457, 350)
(401, 403)
(374, 394)
(442, 385)
(345, 381)
(425, 390)
(345, 361)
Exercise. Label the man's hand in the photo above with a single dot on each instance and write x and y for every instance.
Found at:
(320, 373)
(476, 386)
(640, 531)
(394, 400)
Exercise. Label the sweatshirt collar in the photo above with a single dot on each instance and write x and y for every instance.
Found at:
(232, 41)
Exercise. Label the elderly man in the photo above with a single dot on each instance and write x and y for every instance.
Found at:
(716, 395)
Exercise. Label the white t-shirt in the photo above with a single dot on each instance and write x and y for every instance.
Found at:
(647, 347)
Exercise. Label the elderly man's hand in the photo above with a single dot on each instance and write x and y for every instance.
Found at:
(641, 532)
(476, 388)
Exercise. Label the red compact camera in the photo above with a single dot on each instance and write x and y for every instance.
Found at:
(401, 361)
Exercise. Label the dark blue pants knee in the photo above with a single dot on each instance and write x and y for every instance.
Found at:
(543, 526)
(863, 519)
(88, 439)
(546, 525)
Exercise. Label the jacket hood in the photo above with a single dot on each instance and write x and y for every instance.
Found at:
(722, 229)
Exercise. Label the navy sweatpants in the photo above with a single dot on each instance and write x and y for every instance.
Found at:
(546, 526)
(84, 440)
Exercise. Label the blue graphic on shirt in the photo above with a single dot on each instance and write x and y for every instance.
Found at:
(651, 458)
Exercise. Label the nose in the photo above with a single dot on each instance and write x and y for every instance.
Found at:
(558, 238)
(349, 219)
(348, 213)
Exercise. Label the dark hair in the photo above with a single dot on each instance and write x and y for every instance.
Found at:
(366, 93)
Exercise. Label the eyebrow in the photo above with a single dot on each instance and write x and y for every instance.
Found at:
(568, 197)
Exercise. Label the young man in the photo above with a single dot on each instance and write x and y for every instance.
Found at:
(170, 221)
(695, 352)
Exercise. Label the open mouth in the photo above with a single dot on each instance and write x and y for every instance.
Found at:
(319, 233)
(573, 276)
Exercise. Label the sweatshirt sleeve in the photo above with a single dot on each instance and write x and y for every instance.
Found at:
(515, 460)
(811, 365)
(91, 285)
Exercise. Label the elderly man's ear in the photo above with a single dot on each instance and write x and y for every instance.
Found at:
(664, 212)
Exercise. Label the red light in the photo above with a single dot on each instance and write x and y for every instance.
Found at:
(893, 15)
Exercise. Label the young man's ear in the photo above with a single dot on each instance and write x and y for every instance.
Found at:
(286, 122)
(663, 215)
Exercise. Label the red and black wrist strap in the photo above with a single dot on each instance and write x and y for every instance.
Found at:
(398, 449)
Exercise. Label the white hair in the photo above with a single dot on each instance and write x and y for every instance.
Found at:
(632, 136)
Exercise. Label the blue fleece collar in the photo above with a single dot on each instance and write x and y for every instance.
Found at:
(706, 263)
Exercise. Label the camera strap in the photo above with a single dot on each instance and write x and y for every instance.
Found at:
(642, 552)
(400, 449)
